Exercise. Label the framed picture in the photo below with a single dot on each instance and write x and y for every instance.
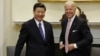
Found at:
(66, 0)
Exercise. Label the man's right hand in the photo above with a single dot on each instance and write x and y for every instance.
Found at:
(61, 45)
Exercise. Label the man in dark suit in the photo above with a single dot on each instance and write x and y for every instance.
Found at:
(75, 38)
(37, 34)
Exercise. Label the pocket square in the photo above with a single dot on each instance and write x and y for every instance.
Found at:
(74, 30)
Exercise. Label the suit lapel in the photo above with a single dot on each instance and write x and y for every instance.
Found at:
(34, 26)
(65, 26)
(46, 29)
(36, 30)
(74, 24)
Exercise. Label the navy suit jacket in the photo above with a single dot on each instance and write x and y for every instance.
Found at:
(35, 45)
(79, 34)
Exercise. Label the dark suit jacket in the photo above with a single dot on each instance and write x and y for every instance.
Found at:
(35, 45)
(79, 34)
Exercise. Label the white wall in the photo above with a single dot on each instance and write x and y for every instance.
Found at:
(23, 10)
(1, 28)
(55, 11)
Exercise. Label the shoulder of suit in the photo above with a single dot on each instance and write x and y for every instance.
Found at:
(64, 21)
(28, 21)
(46, 22)
(81, 19)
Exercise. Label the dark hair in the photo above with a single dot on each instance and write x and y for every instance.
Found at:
(82, 15)
(41, 5)
(63, 17)
(79, 9)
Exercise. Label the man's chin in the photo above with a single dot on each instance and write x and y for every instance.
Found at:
(40, 19)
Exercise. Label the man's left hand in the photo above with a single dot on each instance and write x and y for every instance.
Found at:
(71, 47)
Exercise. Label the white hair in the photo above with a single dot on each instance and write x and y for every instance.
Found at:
(70, 3)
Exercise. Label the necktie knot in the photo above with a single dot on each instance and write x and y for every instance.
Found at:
(39, 24)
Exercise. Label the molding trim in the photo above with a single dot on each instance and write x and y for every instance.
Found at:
(57, 24)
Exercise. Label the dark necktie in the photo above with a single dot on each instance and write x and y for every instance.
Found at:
(41, 31)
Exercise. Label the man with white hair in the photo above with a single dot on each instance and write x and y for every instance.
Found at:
(75, 38)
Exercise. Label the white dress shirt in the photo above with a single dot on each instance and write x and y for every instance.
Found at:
(42, 25)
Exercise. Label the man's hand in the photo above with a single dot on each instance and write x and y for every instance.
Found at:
(61, 45)
(71, 47)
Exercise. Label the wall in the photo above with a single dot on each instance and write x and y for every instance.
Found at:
(1, 28)
(96, 33)
(54, 10)
(22, 9)
(8, 27)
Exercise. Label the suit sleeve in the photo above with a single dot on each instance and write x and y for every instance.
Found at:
(22, 38)
(86, 34)
(52, 41)
(62, 34)
(52, 36)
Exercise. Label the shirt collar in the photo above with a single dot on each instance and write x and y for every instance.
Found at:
(37, 22)
(72, 18)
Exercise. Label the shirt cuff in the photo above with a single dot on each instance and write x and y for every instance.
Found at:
(61, 42)
(75, 46)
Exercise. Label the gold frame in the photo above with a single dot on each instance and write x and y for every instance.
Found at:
(66, 0)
